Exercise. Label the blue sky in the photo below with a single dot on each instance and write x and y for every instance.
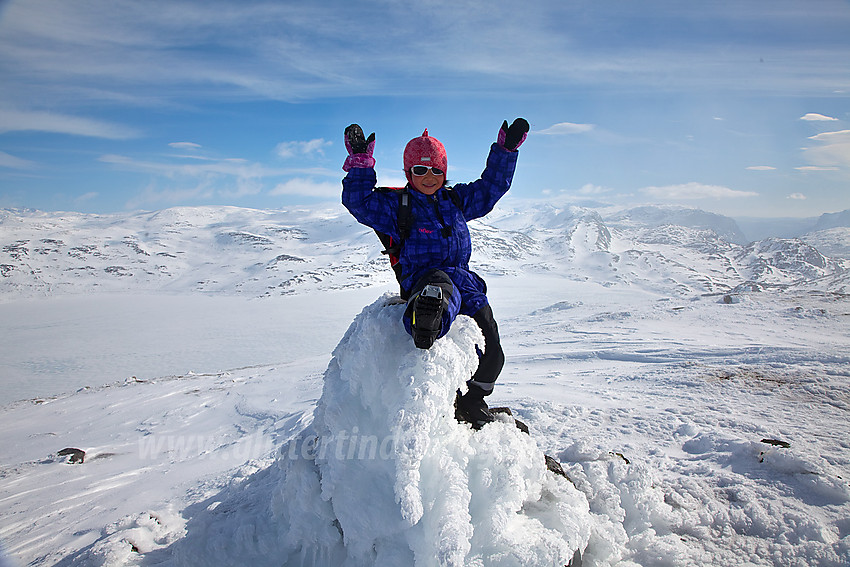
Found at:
(739, 107)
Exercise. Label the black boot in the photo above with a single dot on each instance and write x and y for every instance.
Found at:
(472, 408)
(426, 317)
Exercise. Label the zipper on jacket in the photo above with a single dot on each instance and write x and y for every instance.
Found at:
(446, 231)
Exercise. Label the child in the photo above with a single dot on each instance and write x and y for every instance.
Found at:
(433, 256)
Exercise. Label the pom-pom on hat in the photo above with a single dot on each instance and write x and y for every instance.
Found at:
(424, 150)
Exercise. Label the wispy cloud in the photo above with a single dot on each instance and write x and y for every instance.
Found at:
(203, 178)
(230, 167)
(839, 137)
(87, 197)
(98, 68)
(185, 145)
(797, 197)
(761, 168)
(306, 187)
(565, 128)
(311, 147)
(833, 151)
(154, 196)
(201, 185)
(693, 191)
(197, 166)
(10, 161)
(590, 189)
(24, 120)
(283, 51)
(805, 168)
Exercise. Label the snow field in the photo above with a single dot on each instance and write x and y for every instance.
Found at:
(656, 407)
(701, 417)
(59, 344)
(151, 447)
(685, 390)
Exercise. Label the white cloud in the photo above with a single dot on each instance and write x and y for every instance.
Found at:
(761, 168)
(689, 191)
(152, 196)
(226, 167)
(590, 189)
(816, 168)
(207, 167)
(832, 153)
(185, 145)
(87, 197)
(307, 187)
(292, 149)
(564, 128)
(841, 136)
(797, 196)
(237, 48)
(243, 187)
(24, 120)
(817, 117)
(228, 179)
(8, 160)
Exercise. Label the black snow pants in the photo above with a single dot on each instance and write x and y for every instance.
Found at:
(491, 358)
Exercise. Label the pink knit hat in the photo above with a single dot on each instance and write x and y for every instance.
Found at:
(424, 150)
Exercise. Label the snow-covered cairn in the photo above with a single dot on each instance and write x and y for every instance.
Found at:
(386, 476)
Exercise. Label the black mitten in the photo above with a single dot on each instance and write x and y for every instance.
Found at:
(355, 143)
(511, 137)
(359, 148)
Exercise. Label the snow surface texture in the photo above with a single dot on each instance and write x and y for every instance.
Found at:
(386, 476)
(695, 390)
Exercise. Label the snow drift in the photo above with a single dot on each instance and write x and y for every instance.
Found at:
(385, 475)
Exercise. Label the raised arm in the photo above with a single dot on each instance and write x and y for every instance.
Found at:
(372, 208)
(479, 197)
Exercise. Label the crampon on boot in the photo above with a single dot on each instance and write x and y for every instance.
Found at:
(427, 316)
(472, 408)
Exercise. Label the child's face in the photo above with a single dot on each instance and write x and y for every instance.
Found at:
(428, 183)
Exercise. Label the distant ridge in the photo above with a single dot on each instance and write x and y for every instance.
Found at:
(263, 253)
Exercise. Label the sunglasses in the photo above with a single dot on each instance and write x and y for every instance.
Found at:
(420, 170)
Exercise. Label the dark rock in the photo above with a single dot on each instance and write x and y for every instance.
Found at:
(507, 411)
(77, 456)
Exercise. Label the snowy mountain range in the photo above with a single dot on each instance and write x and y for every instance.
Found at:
(268, 253)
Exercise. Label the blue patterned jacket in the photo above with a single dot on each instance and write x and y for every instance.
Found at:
(439, 237)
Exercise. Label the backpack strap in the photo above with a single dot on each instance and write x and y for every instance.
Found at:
(404, 222)
(454, 197)
(405, 213)
(392, 248)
